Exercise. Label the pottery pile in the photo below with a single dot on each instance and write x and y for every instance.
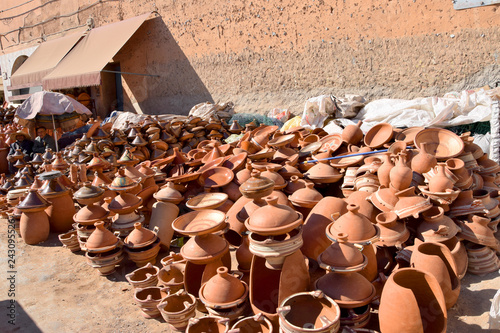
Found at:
(358, 218)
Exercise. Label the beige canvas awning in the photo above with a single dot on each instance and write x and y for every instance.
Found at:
(42, 61)
(82, 66)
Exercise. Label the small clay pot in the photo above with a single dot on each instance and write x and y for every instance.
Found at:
(143, 277)
(352, 134)
(148, 299)
(177, 308)
(424, 160)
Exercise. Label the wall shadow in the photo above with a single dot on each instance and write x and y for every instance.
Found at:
(22, 320)
(153, 50)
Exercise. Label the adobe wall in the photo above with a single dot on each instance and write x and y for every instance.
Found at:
(264, 54)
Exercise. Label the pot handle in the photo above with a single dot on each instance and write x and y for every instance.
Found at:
(284, 310)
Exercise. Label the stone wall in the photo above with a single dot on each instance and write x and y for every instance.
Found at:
(264, 54)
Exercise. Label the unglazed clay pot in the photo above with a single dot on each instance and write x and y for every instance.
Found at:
(143, 277)
(482, 259)
(436, 227)
(162, 216)
(436, 259)
(352, 134)
(208, 324)
(101, 239)
(256, 324)
(410, 204)
(306, 197)
(392, 231)
(269, 288)
(478, 232)
(459, 253)
(384, 170)
(176, 309)
(148, 299)
(463, 176)
(313, 231)
(424, 161)
(412, 301)
(70, 240)
(361, 199)
(378, 135)
(401, 175)
(62, 209)
(356, 225)
(171, 276)
(34, 224)
(440, 182)
(309, 312)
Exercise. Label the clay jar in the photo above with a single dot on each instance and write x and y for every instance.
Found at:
(352, 134)
(440, 182)
(310, 311)
(34, 224)
(424, 161)
(61, 209)
(401, 175)
(436, 259)
(384, 170)
(162, 216)
(412, 301)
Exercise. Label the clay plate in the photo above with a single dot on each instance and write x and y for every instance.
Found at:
(281, 140)
(207, 201)
(199, 222)
(310, 149)
(346, 161)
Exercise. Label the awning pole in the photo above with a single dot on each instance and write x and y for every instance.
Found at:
(55, 134)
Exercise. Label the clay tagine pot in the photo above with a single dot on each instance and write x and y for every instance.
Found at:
(34, 224)
(392, 231)
(101, 240)
(358, 226)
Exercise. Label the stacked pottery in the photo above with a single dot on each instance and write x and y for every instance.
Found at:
(146, 276)
(142, 245)
(124, 205)
(148, 299)
(104, 250)
(86, 217)
(61, 209)
(34, 223)
(361, 232)
(343, 283)
(177, 308)
(309, 312)
(224, 295)
(205, 250)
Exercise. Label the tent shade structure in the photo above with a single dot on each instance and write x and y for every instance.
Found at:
(43, 61)
(82, 66)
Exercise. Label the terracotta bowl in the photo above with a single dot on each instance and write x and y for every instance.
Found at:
(408, 135)
(236, 162)
(216, 177)
(199, 222)
(346, 161)
(441, 142)
(207, 201)
(378, 135)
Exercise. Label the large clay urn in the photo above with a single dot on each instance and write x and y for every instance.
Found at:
(424, 161)
(61, 209)
(412, 301)
(436, 259)
(34, 223)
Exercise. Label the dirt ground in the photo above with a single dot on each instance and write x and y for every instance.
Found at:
(56, 291)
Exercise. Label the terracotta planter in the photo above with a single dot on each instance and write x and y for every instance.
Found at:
(143, 277)
(436, 259)
(309, 312)
(148, 299)
(412, 301)
(424, 161)
(176, 309)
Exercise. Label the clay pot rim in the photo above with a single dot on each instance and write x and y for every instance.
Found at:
(421, 137)
(184, 178)
(378, 129)
(227, 305)
(353, 161)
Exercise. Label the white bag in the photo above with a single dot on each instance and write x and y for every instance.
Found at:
(495, 312)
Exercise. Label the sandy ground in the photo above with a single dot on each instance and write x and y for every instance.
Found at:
(56, 291)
